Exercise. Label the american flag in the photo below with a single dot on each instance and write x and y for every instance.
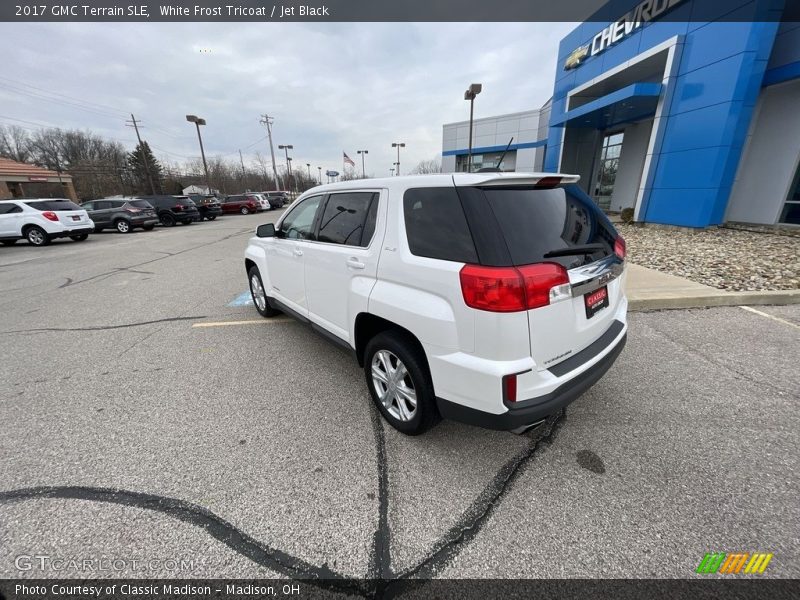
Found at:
(348, 160)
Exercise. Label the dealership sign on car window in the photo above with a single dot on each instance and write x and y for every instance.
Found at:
(646, 11)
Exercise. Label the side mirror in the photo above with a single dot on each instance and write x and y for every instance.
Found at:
(267, 230)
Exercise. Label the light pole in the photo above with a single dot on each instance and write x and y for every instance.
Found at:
(472, 91)
(391, 170)
(198, 121)
(286, 148)
(363, 169)
(398, 145)
(320, 175)
(308, 165)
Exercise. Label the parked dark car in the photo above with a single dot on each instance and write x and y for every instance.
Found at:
(122, 214)
(208, 205)
(241, 203)
(277, 199)
(171, 210)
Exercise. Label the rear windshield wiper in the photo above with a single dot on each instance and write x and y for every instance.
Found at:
(573, 250)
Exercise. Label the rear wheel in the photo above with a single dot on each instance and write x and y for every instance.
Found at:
(122, 226)
(244, 210)
(9, 242)
(37, 236)
(259, 294)
(167, 220)
(79, 238)
(399, 382)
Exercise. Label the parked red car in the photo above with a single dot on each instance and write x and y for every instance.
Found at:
(241, 203)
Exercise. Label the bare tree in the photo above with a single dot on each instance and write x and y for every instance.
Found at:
(425, 167)
(14, 143)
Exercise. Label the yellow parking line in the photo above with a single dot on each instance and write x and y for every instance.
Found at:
(769, 316)
(249, 322)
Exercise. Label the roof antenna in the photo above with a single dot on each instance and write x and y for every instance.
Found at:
(496, 168)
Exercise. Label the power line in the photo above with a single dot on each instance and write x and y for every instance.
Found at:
(36, 96)
(107, 107)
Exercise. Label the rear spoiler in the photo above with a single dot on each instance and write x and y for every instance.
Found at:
(542, 182)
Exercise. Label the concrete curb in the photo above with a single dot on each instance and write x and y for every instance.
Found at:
(666, 302)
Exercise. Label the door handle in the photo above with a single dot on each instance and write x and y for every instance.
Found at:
(354, 263)
(297, 252)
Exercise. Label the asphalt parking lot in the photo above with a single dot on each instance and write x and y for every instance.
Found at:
(148, 413)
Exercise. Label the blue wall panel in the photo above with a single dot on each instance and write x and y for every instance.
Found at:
(706, 121)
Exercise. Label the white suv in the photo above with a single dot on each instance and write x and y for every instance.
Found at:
(41, 220)
(490, 298)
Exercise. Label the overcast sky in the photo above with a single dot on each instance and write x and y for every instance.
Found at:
(330, 87)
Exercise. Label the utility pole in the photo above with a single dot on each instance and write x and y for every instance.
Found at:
(241, 160)
(363, 168)
(135, 125)
(320, 175)
(267, 120)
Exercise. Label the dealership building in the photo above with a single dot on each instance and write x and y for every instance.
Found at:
(688, 122)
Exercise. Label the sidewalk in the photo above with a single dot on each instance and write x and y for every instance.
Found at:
(648, 289)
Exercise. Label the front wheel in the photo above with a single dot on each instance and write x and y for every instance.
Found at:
(122, 226)
(37, 236)
(259, 294)
(399, 382)
(79, 238)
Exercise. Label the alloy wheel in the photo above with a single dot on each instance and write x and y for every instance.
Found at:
(394, 386)
(259, 296)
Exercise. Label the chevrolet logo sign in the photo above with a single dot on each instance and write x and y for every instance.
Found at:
(576, 58)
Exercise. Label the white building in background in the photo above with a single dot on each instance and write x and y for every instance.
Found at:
(198, 189)
(490, 137)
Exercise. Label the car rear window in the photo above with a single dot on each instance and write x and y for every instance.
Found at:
(54, 205)
(436, 226)
(140, 203)
(534, 222)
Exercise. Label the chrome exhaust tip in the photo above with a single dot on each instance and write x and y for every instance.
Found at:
(526, 428)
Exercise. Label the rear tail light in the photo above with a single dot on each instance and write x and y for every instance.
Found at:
(133, 210)
(513, 289)
(50, 215)
(178, 207)
(620, 248)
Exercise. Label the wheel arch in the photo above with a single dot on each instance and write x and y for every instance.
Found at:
(367, 326)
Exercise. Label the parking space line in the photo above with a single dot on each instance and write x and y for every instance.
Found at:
(248, 322)
(769, 316)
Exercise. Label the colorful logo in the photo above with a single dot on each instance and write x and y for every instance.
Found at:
(733, 563)
(576, 58)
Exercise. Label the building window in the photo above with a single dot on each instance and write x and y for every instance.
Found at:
(791, 209)
(487, 160)
(607, 171)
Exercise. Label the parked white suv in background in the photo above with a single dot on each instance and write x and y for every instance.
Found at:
(41, 220)
(490, 298)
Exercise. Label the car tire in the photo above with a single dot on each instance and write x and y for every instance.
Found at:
(244, 210)
(411, 404)
(122, 226)
(79, 238)
(167, 220)
(9, 242)
(148, 227)
(259, 294)
(37, 236)
(212, 217)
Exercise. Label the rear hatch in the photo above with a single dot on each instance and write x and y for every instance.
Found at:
(141, 208)
(568, 254)
(69, 214)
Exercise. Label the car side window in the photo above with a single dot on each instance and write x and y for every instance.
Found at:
(299, 223)
(87, 206)
(349, 219)
(7, 209)
(102, 205)
(436, 226)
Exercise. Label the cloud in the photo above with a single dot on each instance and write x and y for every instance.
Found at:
(330, 87)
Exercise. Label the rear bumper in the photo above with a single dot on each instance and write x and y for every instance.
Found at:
(534, 409)
(142, 221)
(69, 232)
